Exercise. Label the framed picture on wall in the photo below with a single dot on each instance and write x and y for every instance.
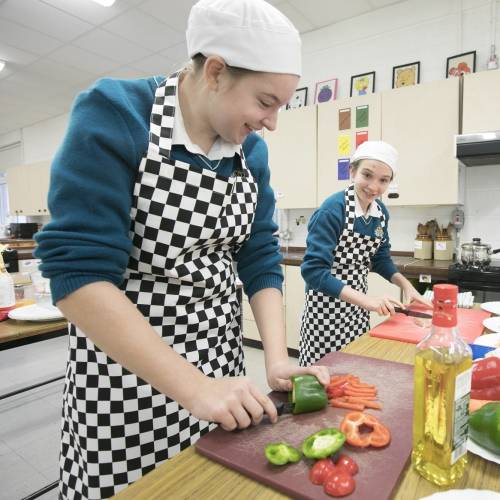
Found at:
(461, 64)
(298, 100)
(405, 75)
(326, 90)
(363, 84)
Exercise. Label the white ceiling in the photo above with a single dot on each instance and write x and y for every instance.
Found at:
(56, 48)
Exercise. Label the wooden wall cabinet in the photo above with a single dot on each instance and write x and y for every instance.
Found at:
(292, 158)
(331, 124)
(421, 122)
(481, 98)
(28, 187)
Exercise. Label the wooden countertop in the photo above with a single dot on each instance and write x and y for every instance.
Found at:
(11, 329)
(189, 475)
(407, 265)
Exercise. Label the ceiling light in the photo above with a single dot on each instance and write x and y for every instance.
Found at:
(2, 65)
(105, 3)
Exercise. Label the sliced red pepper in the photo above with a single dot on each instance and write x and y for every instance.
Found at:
(351, 426)
(491, 393)
(486, 373)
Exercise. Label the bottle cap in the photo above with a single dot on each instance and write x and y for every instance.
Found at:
(445, 292)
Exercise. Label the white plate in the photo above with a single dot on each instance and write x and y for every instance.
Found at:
(463, 495)
(34, 312)
(489, 340)
(492, 323)
(482, 452)
(492, 307)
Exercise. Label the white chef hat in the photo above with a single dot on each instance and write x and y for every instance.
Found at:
(250, 34)
(377, 150)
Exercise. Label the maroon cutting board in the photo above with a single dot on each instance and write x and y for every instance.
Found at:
(379, 469)
(403, 328)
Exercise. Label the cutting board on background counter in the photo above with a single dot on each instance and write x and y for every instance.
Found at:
(403, 328)
(243, 450)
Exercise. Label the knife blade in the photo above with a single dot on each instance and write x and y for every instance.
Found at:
(415, 314)
(282, 407)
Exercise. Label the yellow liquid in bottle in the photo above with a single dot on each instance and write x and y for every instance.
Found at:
(435, 427)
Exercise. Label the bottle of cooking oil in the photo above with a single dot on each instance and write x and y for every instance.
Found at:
(443, 372)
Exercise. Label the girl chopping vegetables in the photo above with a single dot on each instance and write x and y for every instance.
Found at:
(348, 236)
(161, 188)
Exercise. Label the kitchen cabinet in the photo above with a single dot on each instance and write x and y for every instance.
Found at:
(378, 287)
(344, 120)
(481, 95)
(292, 158)
(250, 330)
(295, 297)
(420, 122)
(28, 187)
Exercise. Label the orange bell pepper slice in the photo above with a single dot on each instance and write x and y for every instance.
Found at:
(351, 426)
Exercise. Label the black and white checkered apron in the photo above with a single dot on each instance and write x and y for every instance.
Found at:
(186, 224)
(329, 323)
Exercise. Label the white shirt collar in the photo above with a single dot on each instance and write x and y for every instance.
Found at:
(373, 211)
(220, 148)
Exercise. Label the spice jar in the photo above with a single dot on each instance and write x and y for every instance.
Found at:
(443, 248)
(423, 247)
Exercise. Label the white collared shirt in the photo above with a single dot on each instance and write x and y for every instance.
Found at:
(220, 148)
(373, 211)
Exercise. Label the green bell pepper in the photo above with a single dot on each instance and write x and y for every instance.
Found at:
(484, 427)
(281, 453)
(307, 394)
(323, 443)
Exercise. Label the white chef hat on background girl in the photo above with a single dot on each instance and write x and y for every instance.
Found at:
(377, 150)
(250, 34)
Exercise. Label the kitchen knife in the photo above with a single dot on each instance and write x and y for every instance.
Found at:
(415, 314)
(283, 407)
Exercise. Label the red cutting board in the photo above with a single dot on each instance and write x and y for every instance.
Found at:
(379, 469)
(403, 328)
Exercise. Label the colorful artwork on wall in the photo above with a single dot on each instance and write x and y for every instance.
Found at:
(363, 84)
(326, 91)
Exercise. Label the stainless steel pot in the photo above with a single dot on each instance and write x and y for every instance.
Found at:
(476, 254)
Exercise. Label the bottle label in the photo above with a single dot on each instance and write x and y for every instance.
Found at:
(440, 245)
(461, 414)
(418, 245)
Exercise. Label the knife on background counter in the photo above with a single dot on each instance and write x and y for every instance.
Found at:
(415, 314)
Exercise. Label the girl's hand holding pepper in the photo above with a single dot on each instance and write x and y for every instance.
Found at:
(278, 375)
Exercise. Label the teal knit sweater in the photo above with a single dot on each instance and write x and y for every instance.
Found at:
(90, 195)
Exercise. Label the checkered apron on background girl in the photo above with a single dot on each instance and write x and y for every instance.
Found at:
(329, 323)
(186, 224)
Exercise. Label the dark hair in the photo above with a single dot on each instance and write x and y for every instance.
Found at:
(199, 61)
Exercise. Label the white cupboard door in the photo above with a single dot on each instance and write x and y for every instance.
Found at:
(481, 98)
(17, 187)
(421, 122)
(295, 301)
(292, 158)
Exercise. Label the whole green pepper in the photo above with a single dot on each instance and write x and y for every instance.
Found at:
(484, 427)
(323, 443)
(281, 453)
(307, 394)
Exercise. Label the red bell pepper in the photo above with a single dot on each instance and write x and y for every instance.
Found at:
(490, 393)
(486, 373)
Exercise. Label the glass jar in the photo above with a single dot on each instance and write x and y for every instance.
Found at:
(423, 247)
